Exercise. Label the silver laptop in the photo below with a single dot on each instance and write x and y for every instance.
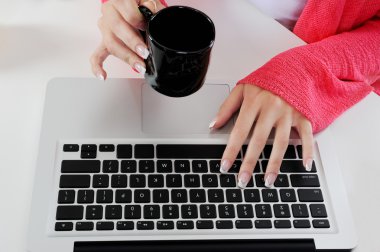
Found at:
(124, 168)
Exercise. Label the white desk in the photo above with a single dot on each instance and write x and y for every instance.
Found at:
(41, 39)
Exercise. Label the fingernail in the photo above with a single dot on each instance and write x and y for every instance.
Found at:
(139, 68)
(100, 76)
(134, 69)
(269, 181)
(225, 166)
(309, 164)
(142, 51)
(243, 179)
(212, 124)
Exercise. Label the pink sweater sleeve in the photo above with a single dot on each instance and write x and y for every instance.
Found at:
(323, 79)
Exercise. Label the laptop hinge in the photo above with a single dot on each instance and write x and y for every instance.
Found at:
(242, 245)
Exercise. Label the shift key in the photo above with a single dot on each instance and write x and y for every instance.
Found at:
(305, 180)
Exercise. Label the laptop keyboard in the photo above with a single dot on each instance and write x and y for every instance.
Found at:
(120, 187)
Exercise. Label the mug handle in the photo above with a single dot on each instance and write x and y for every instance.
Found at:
(147, 15)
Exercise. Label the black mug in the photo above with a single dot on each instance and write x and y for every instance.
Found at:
(179, 40)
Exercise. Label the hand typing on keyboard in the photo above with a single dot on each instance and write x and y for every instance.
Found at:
(268, 111)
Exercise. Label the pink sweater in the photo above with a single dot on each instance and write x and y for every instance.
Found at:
(339, 66)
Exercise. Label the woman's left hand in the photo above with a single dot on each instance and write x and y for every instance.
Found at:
(260, 111)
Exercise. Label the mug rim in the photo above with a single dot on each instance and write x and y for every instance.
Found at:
(209, 46)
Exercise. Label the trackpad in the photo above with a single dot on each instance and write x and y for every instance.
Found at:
(185, 115)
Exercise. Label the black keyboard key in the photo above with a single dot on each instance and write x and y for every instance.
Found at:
(269, 195)
(235, 167)
(88, 154)
(281, 181)
(164, 166)
(104, 196)
(85, 196)
(301, 223)
(244, 211)
(179, 196)
(151, 212)
(197, 195)
(215, 195)
(288, 195)
(300, 211)
(299, 151)
(224, 224)
(226, 211)
(106, 148)
(189, 211)
(66, 196)
(260, 224)
(70, 147)
(170, 211)
(110, 166)
(199, 166)
(119, 181)
(185, 225)
(80, 166)
(310, 195)
(123, 196)
(155, 181)
(215, 166)
(132, 212)
(124, 151)
(125, 225)
(100, 181)
(142, 196)
(192, 180)
(207, 211)
(74, 181)
(259, 180)
(161, 196)
(295, 166)
(210, 180)
(69, 212)
(263, 211)
(244, 149)
(321, 224)
(281, 211)
(146, 166)
(94, 212)
(304, 180)
(282, 224)
(137, 181)
(205, 224)
(84, 226)
(165, 225)
(243, 224)
(182, 166)
(145, 225)
(174, 180)
(144, 151)
(89, 147)
(227, 180)
(234, 195)
(129, 166)
(252, 195)
(318, 210)
(113, 212)
(63, 226)
(105, 225)
(191, 151)
(290, 152)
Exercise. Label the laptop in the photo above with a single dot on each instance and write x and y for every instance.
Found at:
(124, 168)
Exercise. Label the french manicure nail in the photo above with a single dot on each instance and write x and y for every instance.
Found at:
(269, 181)
(142, 51)
(243, 180)
(225, 166)
(212, 124)
(100, 76)
(309, 164)
(140, 68)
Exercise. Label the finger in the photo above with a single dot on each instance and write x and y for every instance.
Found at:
(129, 10)
(280, 144)
(97, 58)
(153, 5)
(243, 125)
(256, 144)
(228, 108)
(306, 133)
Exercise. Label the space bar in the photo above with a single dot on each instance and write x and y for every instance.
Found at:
(179, 151)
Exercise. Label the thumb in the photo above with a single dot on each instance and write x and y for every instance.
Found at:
(153, 5)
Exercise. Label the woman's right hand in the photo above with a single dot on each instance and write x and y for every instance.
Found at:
(119, 24)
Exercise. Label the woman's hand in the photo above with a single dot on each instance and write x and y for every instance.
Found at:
(267, 111)
(119, 24)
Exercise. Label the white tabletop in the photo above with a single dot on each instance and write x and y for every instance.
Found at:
(42, 39)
